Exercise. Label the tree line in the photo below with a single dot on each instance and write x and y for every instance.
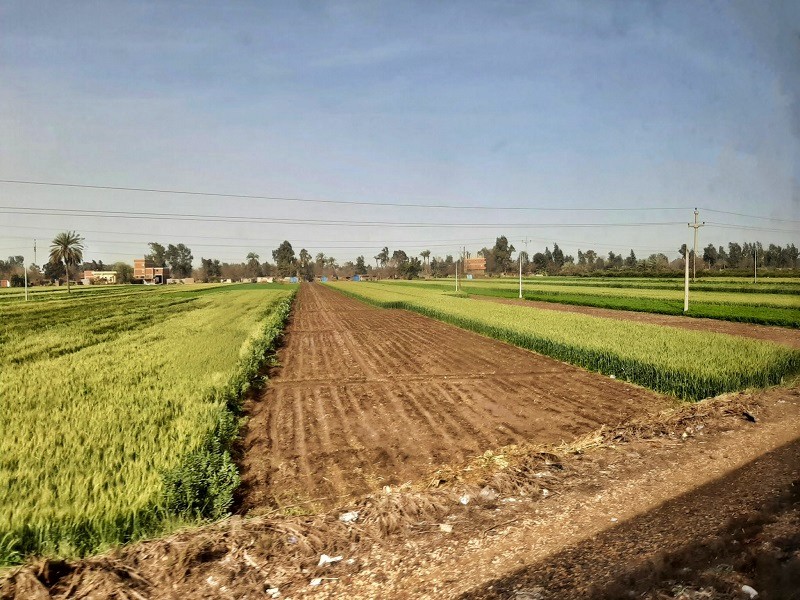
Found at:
(501, 258)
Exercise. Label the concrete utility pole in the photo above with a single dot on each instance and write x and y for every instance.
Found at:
(696, 226)
(686, 280)
(457, 258)
(525, 241)
(755, 262)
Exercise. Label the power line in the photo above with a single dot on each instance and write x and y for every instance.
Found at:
(750, 227)
(281, 221)
(322, 201)
(726, 212)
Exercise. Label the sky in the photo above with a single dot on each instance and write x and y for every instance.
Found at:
(590, 124)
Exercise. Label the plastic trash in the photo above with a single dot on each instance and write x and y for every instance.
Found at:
(328, 560)
(349, 517)
(749, 591)
(446, 528)
(464, 499)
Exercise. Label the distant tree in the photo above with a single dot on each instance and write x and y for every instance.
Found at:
(305, 265)
(124, 272)
(158, 254)
(411, 268)
(179, 258)
(360, 266)
(53, 271)
(501, 253)
(284, 259)
(735, 255)
(631, 261)
(383, 256)
(558, 256)
(67, 247)
(253, 267)
(590, 256)
(399, 257)
(425, 254)
(539, 262)
(710, 255)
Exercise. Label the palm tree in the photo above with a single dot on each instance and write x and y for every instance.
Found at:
(67, 247)
(425, 254)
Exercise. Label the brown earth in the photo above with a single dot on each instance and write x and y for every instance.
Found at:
(368, 397)
(769, 333)
(692, 503)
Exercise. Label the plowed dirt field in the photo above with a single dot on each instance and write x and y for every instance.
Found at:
(366, 397)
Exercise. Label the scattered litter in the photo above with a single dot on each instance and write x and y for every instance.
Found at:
(351, 561)
(212, 581)
(273, 592)
(545, 492)
(387, 489)
(316, 581)
(292, 539)
(349, 517)
(749, 591)
(536, 593)
(507, 500)
(613, 376)
(464, 499)
(328, 560)
(488, 494)
(541, 474)
(614, 519)
(446, 528)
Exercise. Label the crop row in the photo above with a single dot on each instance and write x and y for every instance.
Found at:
(125, 434)
(687, 364)
(763, 308)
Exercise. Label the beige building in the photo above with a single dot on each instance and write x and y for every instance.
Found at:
(100, 277)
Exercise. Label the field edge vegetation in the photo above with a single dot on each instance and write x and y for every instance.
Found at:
(198, 488)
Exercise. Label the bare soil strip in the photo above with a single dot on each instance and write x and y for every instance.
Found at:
(779, 335)
(368, 397)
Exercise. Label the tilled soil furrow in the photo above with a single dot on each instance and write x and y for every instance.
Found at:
(366, 397)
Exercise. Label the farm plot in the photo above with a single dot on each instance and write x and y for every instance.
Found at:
(687, 364)
(763, 304)
(368, 397)
(116, 411)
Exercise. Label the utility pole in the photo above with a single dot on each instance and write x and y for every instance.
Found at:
(25, 271)
(457, 259)
(755, 262)
(34, 253)
(525, 241)
(696, 226)
(686, 281)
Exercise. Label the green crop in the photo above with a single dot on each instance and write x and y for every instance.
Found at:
(687, 364)
(117, 411)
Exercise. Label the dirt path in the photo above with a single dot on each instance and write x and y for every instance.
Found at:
(368, 397)
(779, 335)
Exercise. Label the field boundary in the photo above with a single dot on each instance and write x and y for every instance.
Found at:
(669, 381)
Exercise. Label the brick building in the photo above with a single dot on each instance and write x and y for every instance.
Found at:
(146, 270)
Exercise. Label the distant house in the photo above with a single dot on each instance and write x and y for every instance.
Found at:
(265, 279)
(5, 283)
(146, 270)
(90, 277)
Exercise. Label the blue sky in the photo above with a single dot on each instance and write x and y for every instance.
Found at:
(574, 105)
